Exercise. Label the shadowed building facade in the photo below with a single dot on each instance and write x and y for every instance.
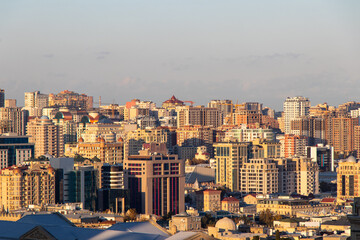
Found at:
(156, 183)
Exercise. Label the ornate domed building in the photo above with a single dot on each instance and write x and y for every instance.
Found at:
(223, 227)
(172, 103)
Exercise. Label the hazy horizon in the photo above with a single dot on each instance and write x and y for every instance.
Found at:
(261, 51)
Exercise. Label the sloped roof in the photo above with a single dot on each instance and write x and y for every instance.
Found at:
(173, 99)
(343, 221)
(328, 200)
(140, 227)
(230, 199)
(202, 174)
(15, 230)
(46, 219)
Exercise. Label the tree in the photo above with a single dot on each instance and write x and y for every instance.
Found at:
(277, 235)
(167, 217)
(207, 220)
(245, 219)
(95, 159)
(78, 158)
(266, 217)
(131, 214)
(188, 199)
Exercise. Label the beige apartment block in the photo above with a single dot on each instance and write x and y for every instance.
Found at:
(290, 207)
(198, 115)
(107, 152)
(229, 157)
(136, 139)
(23, 186)
(259, 176)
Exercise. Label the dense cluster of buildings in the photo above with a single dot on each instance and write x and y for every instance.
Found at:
(61, 149)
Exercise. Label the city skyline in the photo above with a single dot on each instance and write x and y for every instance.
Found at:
(199, 51)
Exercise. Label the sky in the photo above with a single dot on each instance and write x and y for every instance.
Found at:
(199, 50)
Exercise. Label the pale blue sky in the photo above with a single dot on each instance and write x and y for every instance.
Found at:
(196, 49)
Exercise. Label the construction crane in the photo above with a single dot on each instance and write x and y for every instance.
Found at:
(191, 103)
(112, 106)
(231, 120)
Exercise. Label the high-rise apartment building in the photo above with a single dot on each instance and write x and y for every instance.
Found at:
(295, 145)
(229, 158)
(312, 127)
(248, 117)
(136, 139)
(198, 116)
(225, 106)
(294, 108)
(71, 99)
(323, 156)
(35, 102)
(341, 134)
(259, 176)
(13, 120)
(26, 185)
(10, 103)
(195, 136)
(156, 183)
(47, 136)
(299, 175)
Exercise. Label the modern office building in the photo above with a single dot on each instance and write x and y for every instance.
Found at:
(80, 185)
(323, 156)
(14, 150)
(2, 98)
(156, 183)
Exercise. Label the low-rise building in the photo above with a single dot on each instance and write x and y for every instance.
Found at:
(230, 204)
(208, 200)
(184, 222)
(291, 207)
